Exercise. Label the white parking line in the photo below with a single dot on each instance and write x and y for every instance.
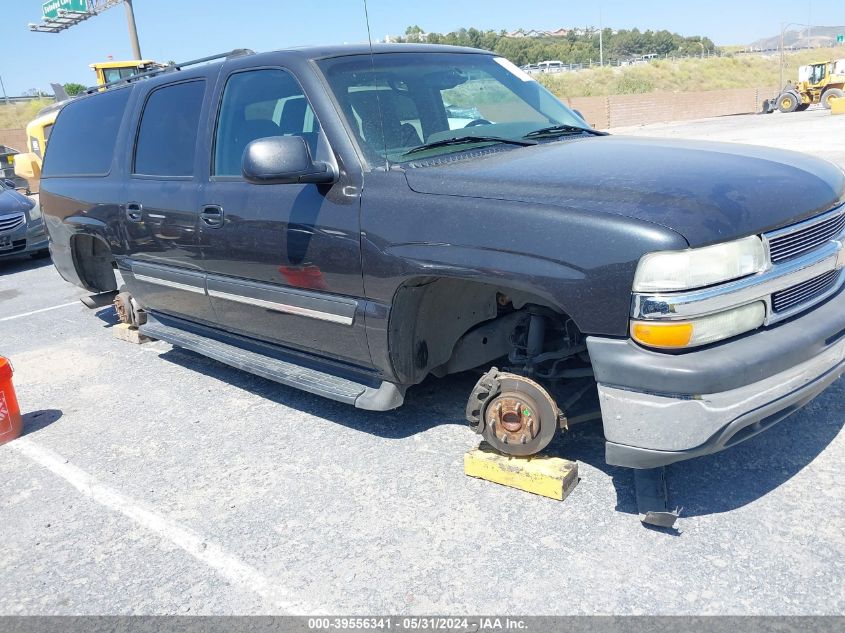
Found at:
(26, 314)
(234, 570)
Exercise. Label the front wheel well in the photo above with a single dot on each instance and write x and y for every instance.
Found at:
(443, 326)
(94, 263)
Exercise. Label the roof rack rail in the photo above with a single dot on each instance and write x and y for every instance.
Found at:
(238, 52)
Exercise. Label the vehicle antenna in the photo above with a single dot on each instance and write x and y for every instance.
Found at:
(378, 101)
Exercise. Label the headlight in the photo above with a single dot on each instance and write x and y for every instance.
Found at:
(699, 267)
(700, 331)
(35, 213)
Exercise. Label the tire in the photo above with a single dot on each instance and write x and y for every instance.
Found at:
(832, 93)
(788, 102)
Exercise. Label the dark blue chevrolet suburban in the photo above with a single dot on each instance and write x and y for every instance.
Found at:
(349, 222)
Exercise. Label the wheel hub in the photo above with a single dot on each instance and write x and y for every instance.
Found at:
(513, 419)
(514, 414)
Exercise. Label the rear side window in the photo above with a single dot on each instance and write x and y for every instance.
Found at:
(83, 137)
(167, 136)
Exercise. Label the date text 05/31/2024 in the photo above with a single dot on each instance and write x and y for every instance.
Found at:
(463, 625)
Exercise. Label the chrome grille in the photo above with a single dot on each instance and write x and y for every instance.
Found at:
(804, 292)
(11, 222)
(805, 237)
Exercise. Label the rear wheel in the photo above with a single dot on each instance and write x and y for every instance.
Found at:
(829, 95)
(787, 102)
(128, 310)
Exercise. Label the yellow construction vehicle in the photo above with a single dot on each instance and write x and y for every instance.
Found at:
(28, 163)
(817, 83)
(108, 72)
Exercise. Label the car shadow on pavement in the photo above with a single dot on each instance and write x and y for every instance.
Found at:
(706, 485)
(37, 420)
(23, 263)
(732, 478)
(108, 315)
(433, 403)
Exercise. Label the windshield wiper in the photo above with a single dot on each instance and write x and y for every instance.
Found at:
(562, 130)
(463, 140)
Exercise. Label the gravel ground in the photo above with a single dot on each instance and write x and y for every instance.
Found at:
(151, 480)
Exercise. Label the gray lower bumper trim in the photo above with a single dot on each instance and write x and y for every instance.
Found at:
(645, 430)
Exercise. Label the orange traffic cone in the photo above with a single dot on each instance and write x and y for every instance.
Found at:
(11, 424)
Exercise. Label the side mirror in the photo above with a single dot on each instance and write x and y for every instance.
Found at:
(277, 160)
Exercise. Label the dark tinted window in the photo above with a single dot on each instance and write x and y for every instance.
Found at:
(82, 140)
(257, 104)
(395, 102)
(167, 137)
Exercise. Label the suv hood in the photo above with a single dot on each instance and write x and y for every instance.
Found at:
(707, 192)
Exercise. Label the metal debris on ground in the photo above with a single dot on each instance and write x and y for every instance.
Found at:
(653, 498)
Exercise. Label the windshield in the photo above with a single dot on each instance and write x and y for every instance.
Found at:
(423, 98)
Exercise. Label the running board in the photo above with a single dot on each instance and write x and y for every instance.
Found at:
(383, 398)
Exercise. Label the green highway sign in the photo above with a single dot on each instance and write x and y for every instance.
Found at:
(51, 8)
(840, 38)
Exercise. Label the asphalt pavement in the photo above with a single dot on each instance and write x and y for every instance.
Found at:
(151, 480)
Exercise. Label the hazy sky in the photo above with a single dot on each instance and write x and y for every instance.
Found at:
(185, 29)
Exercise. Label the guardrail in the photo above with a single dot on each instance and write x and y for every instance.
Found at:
(24, 99)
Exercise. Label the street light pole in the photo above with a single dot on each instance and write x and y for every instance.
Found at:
(133, 30)
(783, 28)
(601, 40)
(5, 96)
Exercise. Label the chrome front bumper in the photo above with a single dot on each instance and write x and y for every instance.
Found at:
(24, 239)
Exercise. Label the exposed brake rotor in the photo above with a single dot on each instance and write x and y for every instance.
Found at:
(128, 310)
(514, 414)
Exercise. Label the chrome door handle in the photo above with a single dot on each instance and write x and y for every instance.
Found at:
(134, 211)
(212, 216)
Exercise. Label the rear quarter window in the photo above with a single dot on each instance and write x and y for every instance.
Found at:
(167, 135)
(83, 138)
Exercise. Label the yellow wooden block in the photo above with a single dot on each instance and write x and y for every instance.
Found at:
(837, 106)
(551, 477)
(126, 332)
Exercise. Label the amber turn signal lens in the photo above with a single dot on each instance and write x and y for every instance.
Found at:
(665, 335)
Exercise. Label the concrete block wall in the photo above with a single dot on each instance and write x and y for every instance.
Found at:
(659, 107)
(15, 139)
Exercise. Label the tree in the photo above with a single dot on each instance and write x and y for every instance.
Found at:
(73, 89)
(413, 33)
(578, 47)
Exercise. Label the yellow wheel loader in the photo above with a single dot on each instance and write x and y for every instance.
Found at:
(817, 83)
